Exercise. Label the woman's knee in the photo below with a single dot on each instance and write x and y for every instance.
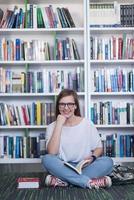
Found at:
(107, 161)
(47, 158)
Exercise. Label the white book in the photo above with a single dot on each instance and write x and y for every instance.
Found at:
(1, 147)
(78, 167)
(21, 116)
(104, 15)
(45, 18)
(25, 147)
(14, 146)
(34, 16)
(131, 113)
(123, 113)
(57, 18)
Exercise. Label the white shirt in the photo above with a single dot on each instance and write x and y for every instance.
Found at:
(77, 141)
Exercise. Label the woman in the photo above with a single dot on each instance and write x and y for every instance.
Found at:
(72, 138)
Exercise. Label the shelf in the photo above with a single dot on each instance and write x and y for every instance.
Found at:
(112, 93)
(34, 94)
(47, 62)
(41, 2)
(19, 160)
(123, 159)
(114, 126)
(41, 30)
(128, 61)
(24, 127)
(114, 30)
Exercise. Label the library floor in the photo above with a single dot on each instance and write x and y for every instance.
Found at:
(9, 191)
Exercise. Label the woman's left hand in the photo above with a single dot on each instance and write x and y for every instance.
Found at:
(90, 158)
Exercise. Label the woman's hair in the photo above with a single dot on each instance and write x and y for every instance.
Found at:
(65, 93)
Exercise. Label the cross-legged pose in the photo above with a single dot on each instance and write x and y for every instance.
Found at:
(73, 138)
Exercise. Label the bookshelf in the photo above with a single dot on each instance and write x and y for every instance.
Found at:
(91, 69)
(109, 94)
(49, 66)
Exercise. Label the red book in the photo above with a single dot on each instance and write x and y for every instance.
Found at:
(114, 48)
(120, 47)
(27, 182)
(25, 117)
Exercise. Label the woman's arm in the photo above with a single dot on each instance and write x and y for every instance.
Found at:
(98, 152)
(54, 142)
(95, 154)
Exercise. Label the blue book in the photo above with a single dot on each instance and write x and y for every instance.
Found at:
(17, 148)
(121, 146)
(32, 116)
(18, 49)
(92, 114)
(11, 23)
(10, 147)
(128, 146)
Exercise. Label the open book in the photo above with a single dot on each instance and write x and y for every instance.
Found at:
(79, 166)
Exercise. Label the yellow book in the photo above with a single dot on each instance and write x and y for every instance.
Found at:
(7, 115)
(38, 113)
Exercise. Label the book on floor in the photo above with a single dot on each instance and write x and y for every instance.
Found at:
(78, 168)
(28, 182)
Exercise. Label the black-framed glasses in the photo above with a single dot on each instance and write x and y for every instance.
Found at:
(70, 105)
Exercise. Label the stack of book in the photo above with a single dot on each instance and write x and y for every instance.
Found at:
(104, 14)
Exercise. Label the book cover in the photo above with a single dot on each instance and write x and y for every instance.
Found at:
(69, 18)
(28, 182)
(78, 168)
(1, 14)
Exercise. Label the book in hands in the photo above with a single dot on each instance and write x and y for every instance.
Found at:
(78, 168)
(26, 182)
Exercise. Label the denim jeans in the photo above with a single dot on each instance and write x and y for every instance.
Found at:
(102, 166)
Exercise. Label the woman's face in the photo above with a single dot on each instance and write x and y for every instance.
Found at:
(67, 106)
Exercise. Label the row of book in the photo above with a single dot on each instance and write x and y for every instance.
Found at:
(112, 48)
(47, 80)
(22, 146)
(118, 145)
(35, 16)
(110, 112)
(113, 80)
(35, 113)
(127, 15)
(38, 50)
(104, 14)
(111, 14)
(114, 145)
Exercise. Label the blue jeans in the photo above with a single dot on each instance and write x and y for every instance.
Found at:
(102, 166)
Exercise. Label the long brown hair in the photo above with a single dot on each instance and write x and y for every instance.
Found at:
(64, 93)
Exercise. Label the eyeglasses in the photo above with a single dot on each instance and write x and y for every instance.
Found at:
(70, 105)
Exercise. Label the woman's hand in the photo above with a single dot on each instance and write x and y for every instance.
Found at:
(90, 160)
(54, 143)
(61, 119)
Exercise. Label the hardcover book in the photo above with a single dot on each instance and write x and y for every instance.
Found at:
(27, 182)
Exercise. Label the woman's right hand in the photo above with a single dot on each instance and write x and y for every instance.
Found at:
(61, 119)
